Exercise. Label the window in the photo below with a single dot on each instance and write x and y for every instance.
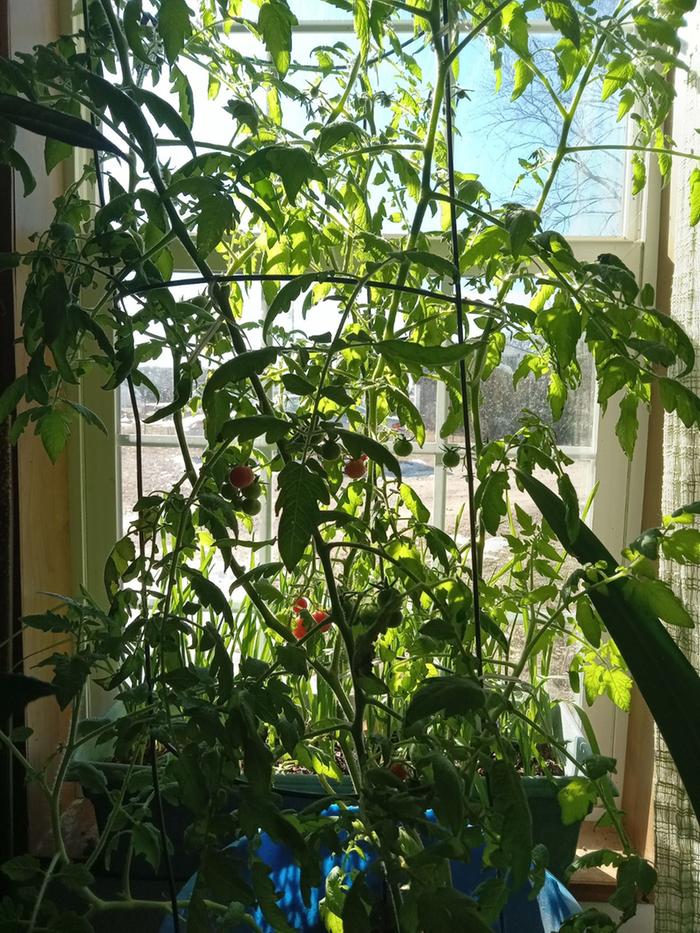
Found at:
(593, 202)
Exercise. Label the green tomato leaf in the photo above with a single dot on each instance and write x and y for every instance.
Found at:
(182, 393)
(297, 385)
(521, 226)
(284, 298)
(301, 490)
(405, 351)
(522, 77)
(89, 777)
(576, 799)
(245, 113)
(354, 915)
(295, 166)
(252, 426)
(362, 26)
(557, 394)
(639, 173)
(146, 841)
(54, 431)
(209, 594)
(451, 695)
(561, 325)
(50, 122)
(413, 503)
(22, 868)
(449, 793)
(215, 217)
(135, 32)
(694, 196)
(165, 115)
(432, 261)
(510, 803)
(588, 621)
(563, 17)
(243, 366)
(657, 597)
(174, 26)
(70, 674)
(682, 546)
(597, 766)
(334, 133)
(627, 426)
(676, 397)
(293, 659)
(491, 499)
(275, 21)
(55, 152)
(266, 896)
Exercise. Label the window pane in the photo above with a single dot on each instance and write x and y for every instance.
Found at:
(503, 405)
(162, 468)
(156, 362)
(500, 138)
(581, 473)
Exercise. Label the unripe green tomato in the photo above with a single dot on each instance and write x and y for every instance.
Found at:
(251, 506)
(403, 447)
(451, 457)
(330, 450)
(254, 491)
(228, 492)
(367, 616)
(388, 596)
(393, 618)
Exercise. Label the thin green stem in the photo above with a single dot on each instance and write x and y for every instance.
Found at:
(45, 881)
(659, 150)
(474, 32)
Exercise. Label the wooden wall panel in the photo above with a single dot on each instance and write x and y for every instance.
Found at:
(45, 546)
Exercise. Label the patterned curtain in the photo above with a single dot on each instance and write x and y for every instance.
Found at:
(676, 828)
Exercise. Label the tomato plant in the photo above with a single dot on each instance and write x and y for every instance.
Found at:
(322, 192)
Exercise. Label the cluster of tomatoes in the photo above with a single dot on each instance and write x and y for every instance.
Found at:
(299, 630)
(244, 481)
(245, 489)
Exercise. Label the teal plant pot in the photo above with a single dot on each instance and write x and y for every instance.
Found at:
(547, 826)
(299, 791)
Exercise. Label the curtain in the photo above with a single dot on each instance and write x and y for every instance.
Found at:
(676, 828)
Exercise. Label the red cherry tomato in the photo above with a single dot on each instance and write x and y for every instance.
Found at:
(399, 770)
(301, 603)
(355, 469)
(321, 616)
(299, 630)
(241, 476)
